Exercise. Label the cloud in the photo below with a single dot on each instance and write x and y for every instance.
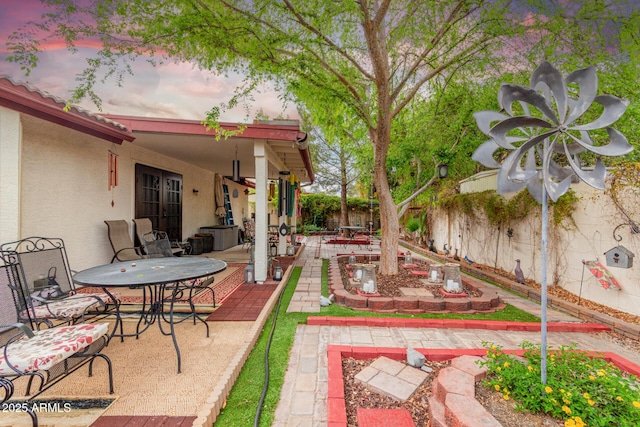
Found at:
(169, 90)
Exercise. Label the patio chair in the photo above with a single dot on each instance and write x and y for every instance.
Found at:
(48, 286)
(183, 291)
(121, 242)
(145, 233)
(249, 232)
(48, 355)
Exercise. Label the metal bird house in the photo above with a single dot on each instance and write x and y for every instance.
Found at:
(620, 257)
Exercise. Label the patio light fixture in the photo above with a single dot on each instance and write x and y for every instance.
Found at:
(443, 171)
(236, 167)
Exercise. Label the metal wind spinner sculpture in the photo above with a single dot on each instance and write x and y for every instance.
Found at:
(547, 141)
(553, 131)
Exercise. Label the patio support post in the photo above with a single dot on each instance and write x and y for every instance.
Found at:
(282, 240)
(261, 239)
(11, 137)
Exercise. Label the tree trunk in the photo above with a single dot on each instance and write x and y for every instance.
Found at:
(344, 213)
(388, 211)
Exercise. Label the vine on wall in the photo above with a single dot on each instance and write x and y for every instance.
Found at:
(500, 211)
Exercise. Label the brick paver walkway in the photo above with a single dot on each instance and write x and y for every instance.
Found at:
(303, 399)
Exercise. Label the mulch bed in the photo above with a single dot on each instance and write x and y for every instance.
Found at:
(358, 396)
(389, 286)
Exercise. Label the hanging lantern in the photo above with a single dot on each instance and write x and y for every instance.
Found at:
(236, 170)
(452, 280)
(369, 282)
(248, 274)
(277, 275)
(352, 258)
(236, 167)
(273, 249)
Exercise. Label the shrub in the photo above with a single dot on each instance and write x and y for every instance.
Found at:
(581, 389)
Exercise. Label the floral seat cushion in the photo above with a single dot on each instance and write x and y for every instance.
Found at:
(48, 347)
(72, 307)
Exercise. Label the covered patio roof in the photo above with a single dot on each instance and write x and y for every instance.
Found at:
(190, 141)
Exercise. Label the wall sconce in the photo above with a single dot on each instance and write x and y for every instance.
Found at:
(196, 191)
(443, 171)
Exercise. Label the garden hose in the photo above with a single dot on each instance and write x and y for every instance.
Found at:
(265, 387)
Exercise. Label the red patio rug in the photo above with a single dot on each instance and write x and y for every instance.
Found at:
(245, 303)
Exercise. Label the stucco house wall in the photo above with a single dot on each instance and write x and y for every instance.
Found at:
(61, 178)
(592, 235)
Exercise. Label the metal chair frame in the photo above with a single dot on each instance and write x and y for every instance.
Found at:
(14, 334)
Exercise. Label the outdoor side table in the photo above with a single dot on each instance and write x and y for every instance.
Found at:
(152, 275)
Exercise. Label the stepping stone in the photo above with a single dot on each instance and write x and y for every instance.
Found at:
(420, 272)
(409, 266)
(384, 417)
(415, 292)
(391, 378)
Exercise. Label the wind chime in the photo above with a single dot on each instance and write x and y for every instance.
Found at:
(112, 174)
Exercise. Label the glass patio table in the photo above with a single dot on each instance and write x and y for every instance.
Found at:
(155, 275)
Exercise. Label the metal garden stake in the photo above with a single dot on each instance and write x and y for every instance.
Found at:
(550, 132)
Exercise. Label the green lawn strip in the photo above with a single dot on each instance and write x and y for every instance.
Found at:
(243, 399)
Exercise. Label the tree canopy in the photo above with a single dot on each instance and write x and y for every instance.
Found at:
(367, 61)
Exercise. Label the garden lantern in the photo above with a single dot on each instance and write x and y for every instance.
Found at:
(249, 277)
(291, 250)
(435, 273)
(357, 273)
(369, 283)
(352, 258)
(273, 249)
(277, 275)
(407, 258)
(452, 280)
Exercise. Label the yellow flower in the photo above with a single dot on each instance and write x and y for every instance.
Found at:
(506, 364)
(592, 378)
(566, 409)
(498, 369)
(585, 395)
(619, 399)
(591, 402)
(569, 423)
(530, 368)
(636, 404)
(548, 390)
(567, 401)
(505, 396)
(569, 394)
(601, 373)
(497, 387)
(562, 390)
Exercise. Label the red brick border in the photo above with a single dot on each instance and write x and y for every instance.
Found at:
(496, 325)
(488, 302)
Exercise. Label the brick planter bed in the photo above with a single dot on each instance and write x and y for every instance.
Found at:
(487, 301)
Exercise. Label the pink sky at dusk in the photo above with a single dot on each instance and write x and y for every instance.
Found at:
(171, 90)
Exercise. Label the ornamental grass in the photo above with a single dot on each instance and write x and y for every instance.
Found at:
(582, 389)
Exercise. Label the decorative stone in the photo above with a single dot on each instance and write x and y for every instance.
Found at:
(415, 358)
